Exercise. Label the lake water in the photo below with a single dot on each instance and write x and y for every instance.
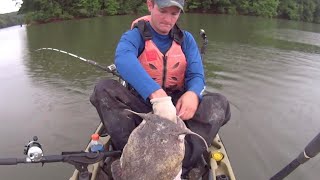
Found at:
(269, 70)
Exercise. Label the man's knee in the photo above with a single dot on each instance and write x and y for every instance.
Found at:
(103, 89)
(215, 98)
(219, 105)
(106, 84)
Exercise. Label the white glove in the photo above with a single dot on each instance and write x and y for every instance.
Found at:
(164, 107)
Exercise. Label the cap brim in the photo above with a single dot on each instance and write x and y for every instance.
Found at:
(163, 4)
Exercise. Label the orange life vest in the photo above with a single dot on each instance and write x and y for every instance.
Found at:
(168, 70)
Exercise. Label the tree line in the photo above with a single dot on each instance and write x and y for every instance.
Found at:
(10, 19)
(51, 10)
(42, 11)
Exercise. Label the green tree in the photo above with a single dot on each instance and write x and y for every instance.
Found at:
(306, 10)
(46, 10)
(265, 8)
(193, 5)
(87, 8)
(112, 7)
(10, 19)
(316, 14)
(223, 6)
(289, 9)
(206, 5)
(243, 6)
(130, 6)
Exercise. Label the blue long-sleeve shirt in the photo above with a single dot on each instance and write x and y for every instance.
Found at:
(131, 46)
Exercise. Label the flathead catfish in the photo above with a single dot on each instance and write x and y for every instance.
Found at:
(155, 150)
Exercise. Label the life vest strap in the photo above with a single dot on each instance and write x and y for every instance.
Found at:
(144, 30)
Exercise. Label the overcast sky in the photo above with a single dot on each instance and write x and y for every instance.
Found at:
(7, 6)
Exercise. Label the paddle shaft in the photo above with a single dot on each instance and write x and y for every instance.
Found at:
(311, 150)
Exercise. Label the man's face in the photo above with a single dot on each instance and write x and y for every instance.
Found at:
(163, 19)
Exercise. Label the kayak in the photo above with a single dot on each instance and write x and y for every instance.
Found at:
(220, 166)
(217, 158)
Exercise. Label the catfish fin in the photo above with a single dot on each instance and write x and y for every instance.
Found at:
(142, 115)
(116, 170)
(188, 131)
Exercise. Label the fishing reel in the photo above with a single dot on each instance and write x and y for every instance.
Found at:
(33, 150)
(203, 34)
(113, 70)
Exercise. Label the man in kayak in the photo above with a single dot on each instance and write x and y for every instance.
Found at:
(163, 67)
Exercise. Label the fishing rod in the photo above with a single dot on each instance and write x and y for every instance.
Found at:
(110, 69)
(310, 151)
(80, 159)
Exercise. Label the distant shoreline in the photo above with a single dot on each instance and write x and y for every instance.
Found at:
(54, 20)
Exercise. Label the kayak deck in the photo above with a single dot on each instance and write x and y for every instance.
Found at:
(221, 169)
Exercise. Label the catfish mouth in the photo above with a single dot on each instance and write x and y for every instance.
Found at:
(184, 130)
(145, 115)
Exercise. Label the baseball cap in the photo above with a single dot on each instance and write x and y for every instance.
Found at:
(168, 3)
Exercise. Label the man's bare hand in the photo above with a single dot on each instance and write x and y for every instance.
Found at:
(187, 105)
